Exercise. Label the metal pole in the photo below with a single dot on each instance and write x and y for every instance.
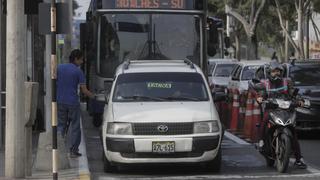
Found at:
(1, 38)
(286, 44)
(54, 101)
(307, 33)
(228, 21)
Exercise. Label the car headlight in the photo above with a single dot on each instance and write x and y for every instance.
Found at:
(119, 128)
(205, 127)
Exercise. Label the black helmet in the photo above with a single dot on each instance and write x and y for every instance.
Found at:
(273, 66)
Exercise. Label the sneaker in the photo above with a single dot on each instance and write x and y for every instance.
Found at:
(300, 164)
(75, 154)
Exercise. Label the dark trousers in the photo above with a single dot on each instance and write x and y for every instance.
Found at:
(70, 113)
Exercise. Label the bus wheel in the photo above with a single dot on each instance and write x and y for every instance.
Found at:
(97, 119)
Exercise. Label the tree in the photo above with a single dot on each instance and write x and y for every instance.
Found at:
(301, 7)
(316, 6)
(247, 13)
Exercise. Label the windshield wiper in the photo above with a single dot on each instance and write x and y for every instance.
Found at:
(183, 98)
(138, 97)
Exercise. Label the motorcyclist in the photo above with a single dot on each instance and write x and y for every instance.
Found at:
(276, 85)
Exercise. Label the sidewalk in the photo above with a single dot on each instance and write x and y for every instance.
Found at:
(78, 170)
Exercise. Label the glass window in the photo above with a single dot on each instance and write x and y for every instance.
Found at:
(260, 73)
(223, 70)
(305, 75)
(248, 72)
(147, 37)
(211, 67)
(160, 87)
(236, 73)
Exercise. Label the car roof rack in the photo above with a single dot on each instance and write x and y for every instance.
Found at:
(125, 65)
(128, 62)
(190, 63)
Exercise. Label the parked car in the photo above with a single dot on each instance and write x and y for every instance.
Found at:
(242, 73)
(160, 112)
(221, 75)
(305, 76)
(212, 66)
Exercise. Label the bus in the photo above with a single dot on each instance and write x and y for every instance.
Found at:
(120, 30)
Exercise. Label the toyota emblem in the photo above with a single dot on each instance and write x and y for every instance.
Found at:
(163, 128)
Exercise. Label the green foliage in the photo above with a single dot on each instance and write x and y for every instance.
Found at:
(216, 8)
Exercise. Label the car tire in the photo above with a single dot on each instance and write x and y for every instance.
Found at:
(107, 166)
(215, 164)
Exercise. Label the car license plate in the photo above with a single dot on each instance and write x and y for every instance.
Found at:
(163, 146)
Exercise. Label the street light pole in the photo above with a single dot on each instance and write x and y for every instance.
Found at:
(54, 91)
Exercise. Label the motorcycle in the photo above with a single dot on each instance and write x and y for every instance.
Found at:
(277, 143)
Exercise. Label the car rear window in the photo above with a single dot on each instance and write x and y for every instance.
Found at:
(305, 75)
(248, 72)
(160, 87)
(224, 70)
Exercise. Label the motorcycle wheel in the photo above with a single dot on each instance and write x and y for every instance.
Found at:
(284, 153)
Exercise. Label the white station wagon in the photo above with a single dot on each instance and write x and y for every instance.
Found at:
(160, 112)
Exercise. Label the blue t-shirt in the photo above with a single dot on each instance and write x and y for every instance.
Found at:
(69, 76)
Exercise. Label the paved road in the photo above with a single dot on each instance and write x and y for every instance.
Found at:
(239, 161)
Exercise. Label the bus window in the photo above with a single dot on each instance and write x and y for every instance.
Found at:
(147, 37)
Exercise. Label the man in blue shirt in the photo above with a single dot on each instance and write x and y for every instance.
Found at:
(69, 77)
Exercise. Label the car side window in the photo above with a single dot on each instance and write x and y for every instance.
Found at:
(211, 67)
(236, 73)
(260, 73)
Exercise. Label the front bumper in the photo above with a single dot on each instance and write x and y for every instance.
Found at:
(194, 149)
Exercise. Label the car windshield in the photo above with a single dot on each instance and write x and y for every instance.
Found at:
(248, 72)
(305, 75)
(160, 87)
(223, 70)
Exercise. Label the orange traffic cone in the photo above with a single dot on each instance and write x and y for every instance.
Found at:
(235, 111)
(248, 116)
(242, 112)
(229, 108)
(256, 118)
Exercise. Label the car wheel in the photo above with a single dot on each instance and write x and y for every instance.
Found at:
(107, 167)
(215, 164)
